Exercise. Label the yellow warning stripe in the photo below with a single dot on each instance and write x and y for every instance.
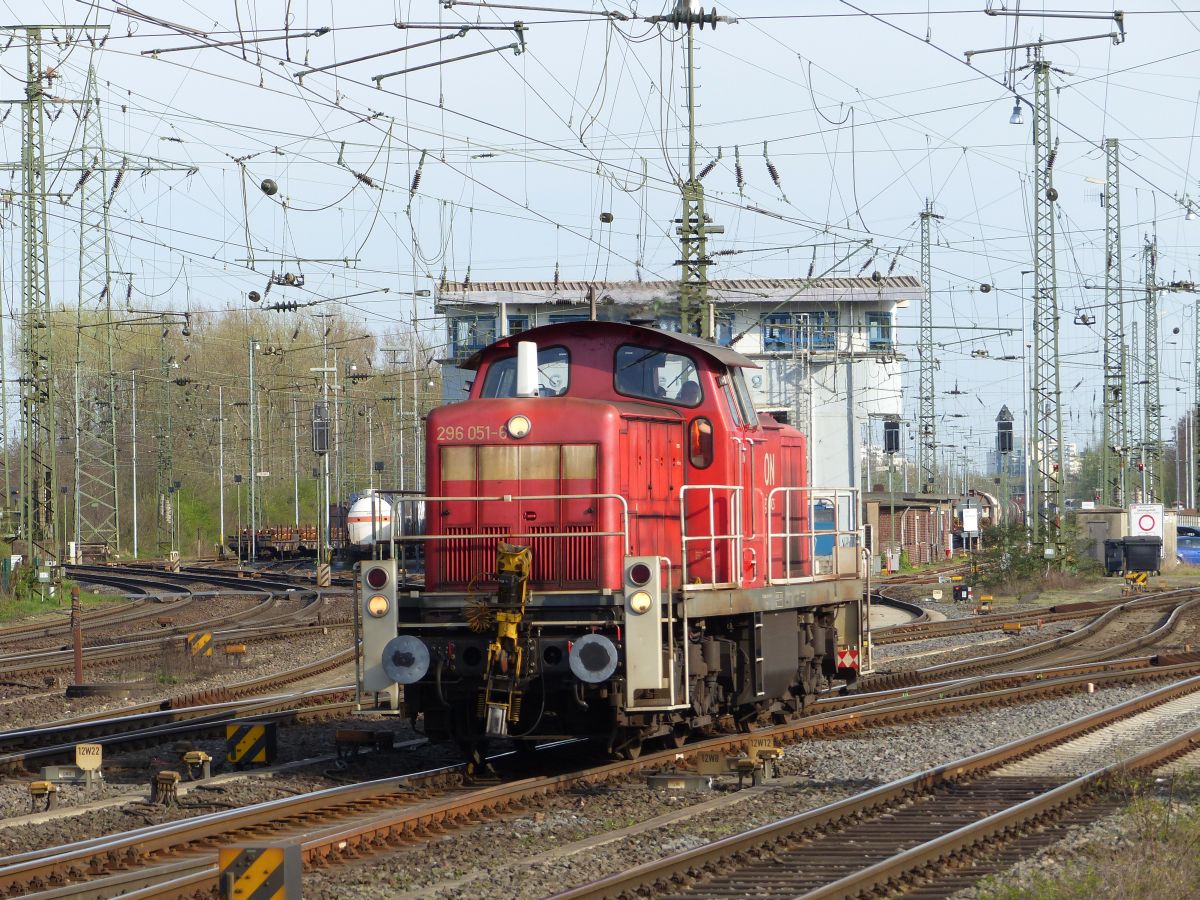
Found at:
(258, 872)
(200, 643)
(247, 743)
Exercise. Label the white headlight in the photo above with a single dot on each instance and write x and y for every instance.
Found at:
(518, 426)
(640, 601)
(378, 605)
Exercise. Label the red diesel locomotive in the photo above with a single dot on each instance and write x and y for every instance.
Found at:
(617, 545)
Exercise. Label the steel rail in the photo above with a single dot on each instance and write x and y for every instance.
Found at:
(138, 718)
(1118, 670)
(994, 621)
(126, 610)
(167, 718)
(681, 867)
(965, 840)
(1045, 648)
(284, 711)
(403, 823)
(61, 660)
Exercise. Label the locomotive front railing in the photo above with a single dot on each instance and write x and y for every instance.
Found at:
(812, 553)
(730, 542)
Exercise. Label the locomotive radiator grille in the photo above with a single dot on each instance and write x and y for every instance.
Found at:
(456, 557)
(563, 560)
(579, 555)
(543, 554)
(467, 559)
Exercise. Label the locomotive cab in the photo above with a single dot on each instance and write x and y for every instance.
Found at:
(617, 546)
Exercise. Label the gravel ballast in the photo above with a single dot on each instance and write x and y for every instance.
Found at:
(488, 862)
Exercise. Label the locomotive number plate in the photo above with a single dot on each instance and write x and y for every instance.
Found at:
(467, 433)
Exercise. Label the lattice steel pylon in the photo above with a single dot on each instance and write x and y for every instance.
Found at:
(97, 504)
(39, 475)
(1113, 448)
(696, 312)
(1134, 420)
(927, 408)
(1046, 416)
(1152, 430)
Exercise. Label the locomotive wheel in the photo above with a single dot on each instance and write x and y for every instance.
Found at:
(627, 743)
(478, 766)
(680, 732)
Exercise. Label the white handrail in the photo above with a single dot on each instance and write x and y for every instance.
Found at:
(734, 538)
(810, 495)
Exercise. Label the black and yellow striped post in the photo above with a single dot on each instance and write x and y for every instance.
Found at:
(1135, 582)
(251, 744)
(260, 872)
(199, 644)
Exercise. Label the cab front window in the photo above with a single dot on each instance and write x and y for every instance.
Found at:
(554, 375)
(657, 375)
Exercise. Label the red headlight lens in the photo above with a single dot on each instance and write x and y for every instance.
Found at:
(639, 573)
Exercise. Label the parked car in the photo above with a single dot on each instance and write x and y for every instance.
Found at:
(1187, 549)
(1190, 530)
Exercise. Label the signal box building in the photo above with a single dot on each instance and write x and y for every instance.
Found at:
(827, 347)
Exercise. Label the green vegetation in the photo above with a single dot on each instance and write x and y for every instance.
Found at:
(26, 599)
(1007, 562)
(178, 383)
(1157, 855)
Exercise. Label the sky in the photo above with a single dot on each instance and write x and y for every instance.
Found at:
(864, 110)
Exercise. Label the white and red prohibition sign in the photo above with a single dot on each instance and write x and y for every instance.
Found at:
(1146, 520)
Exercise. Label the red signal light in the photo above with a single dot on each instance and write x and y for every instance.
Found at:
(639, 573)
(377, 577)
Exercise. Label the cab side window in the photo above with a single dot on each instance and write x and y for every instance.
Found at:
(656, 375)
(744, 399)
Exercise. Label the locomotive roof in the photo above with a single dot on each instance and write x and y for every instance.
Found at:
(723, 355)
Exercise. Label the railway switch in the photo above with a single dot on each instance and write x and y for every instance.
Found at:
(44, 793)
(165, 789)
(196, 761)
(235, 653)
(349, 741)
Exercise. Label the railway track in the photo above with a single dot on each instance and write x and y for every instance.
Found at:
(195, 715)
(919, 630)
(285, 610)
(1087, 644)
(919, 832)
(343, 823)
(346, 823)
(53, 663)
